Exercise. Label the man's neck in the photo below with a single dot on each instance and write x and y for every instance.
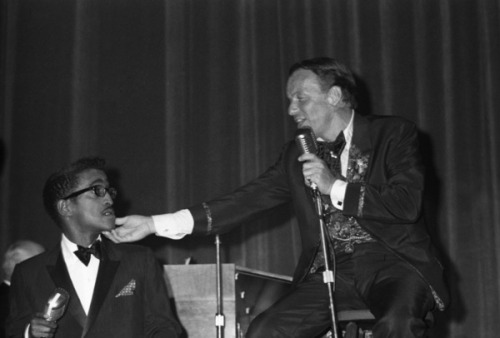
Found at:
(341, 121)
(84, 240)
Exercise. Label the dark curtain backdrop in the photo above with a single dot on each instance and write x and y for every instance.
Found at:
(186, 101)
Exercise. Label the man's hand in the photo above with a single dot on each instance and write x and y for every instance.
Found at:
(317, 172)
(40, 327)
(131, 229)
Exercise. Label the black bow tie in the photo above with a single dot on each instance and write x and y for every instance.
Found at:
(333, 149)
(84, 253)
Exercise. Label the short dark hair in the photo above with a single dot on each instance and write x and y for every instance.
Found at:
(331, 73)
(62, 182)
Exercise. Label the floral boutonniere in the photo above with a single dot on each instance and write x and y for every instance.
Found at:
(358, 165)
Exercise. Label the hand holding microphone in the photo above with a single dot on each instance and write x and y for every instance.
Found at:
(315, 171)
(56, 305)
(44, 323)
(306, 141)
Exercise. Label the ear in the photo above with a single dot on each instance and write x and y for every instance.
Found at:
(64, 208)
(334, 95)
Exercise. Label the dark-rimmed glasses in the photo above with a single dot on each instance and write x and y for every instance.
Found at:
(99, 190)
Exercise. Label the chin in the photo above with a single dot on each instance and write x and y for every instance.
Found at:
(108, 224)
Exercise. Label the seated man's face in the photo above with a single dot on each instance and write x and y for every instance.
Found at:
(92, 213)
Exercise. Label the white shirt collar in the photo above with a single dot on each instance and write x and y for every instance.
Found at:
(68, 248)
(348, 131)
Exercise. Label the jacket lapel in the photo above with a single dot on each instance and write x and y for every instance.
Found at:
(358, 166)
(60, 276)
(105, 276)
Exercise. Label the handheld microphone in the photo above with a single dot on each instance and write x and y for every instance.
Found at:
(56, 305)
(306, 141)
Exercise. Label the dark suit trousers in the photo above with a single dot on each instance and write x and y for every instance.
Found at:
(370, 277)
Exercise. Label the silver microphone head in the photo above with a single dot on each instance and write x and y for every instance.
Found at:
(56, 305)
(306, 141)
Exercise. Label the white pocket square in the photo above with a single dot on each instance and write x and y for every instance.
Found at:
(128, 290)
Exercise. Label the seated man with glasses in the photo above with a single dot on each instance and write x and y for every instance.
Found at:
(114, 290)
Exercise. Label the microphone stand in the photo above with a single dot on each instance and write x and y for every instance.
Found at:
(219, 316)
(328, 275)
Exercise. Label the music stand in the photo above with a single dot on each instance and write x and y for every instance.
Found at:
(219, 316)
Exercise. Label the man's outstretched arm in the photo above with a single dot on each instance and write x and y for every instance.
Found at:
(135, 227)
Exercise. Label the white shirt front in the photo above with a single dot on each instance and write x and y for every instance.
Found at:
(83, 277)
(339, 187)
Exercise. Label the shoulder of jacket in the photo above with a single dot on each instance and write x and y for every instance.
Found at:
(391, 123)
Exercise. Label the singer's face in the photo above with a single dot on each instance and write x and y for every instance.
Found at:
(309, 105)
(92, 214)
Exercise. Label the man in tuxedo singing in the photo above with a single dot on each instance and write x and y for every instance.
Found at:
(370, 177)
(114, 290)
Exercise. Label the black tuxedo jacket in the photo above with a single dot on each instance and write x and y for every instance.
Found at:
(130, 297)
(387, 203)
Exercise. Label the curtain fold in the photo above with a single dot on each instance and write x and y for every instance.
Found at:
(186, 101)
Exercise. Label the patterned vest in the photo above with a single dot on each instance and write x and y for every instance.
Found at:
(343, 232)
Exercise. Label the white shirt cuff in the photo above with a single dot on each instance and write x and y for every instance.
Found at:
(175, 225)
(337, 194)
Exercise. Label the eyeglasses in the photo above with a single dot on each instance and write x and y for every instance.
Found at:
(99, 190)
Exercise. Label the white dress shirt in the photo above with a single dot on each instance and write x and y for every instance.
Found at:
(339, 187)
(83, 277)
